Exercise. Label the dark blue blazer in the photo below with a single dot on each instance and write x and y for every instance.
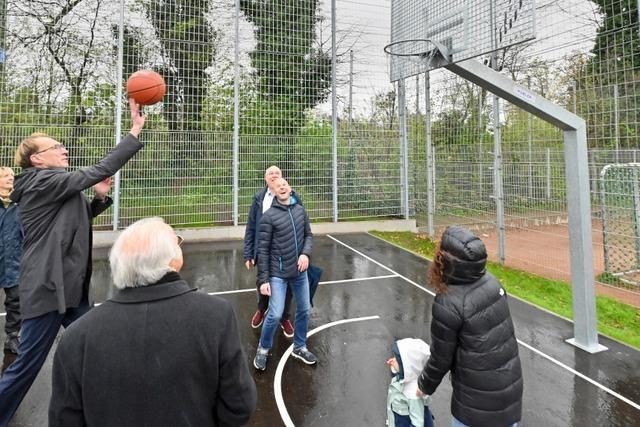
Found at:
(11, 235)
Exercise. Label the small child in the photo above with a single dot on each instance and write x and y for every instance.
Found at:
(404, 408)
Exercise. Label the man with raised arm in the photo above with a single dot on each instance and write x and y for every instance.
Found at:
(55, 270)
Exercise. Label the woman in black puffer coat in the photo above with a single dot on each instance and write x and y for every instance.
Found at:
(472, 336)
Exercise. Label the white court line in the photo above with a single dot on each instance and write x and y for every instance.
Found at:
(329, 282)
(584, 377)
(277, 380)
(321, 283)
(539, 352)
(383, 266)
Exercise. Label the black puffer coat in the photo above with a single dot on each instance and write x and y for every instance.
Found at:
(472, 336)
(284, 234)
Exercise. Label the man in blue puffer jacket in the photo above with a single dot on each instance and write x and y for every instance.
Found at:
(284, 248)
(262, 201)
(10, 252)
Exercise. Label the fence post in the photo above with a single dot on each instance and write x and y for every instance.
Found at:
(236, 114)
(530, 143)
(404, 177)
(603, 213)
(616, 123)
(334, 111)
(480, 148)
(497, 172)
(430, 157)
(548, 160)
(636, 213)
(118, 118)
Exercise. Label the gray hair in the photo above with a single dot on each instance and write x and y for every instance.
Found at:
(142, 253)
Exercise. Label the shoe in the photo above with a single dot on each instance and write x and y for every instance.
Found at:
(11, 343)
(287, 328)
(260, 361)
(257, 319)
(305, 355)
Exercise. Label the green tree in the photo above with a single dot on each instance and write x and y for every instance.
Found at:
(617, 46)
(610, 77)
(292, 74)
(187, 47)
(188, 43)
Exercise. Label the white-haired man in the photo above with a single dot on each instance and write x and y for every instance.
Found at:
(157, 353)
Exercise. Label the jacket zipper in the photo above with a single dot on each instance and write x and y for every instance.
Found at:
(295, 234)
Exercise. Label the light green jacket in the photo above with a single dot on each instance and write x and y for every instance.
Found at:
(399, 403)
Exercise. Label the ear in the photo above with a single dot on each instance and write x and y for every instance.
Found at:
(176, 264)
(34, 159)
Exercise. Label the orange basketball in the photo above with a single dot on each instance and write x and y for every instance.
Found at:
(146, 86)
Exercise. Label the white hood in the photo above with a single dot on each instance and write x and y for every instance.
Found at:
(414, 354)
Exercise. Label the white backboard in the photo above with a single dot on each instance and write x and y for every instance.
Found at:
(468, 28)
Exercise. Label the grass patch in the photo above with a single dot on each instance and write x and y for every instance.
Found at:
(615, 319)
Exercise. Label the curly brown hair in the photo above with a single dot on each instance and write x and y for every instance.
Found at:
(435, 275)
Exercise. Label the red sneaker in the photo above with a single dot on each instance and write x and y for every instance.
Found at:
(257, 319)
(287, 328)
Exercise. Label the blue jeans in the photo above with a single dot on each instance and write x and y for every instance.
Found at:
(300, 288)
(457, 423)
(36, 338)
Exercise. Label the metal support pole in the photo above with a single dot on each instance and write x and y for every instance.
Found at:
(334, 111)
(404, 176)
(579, 208)
(577, 184)
(498, 191)
(431, 185)
(118, 117)
(236, 114)
(616, 122)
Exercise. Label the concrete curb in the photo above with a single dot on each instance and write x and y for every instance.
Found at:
(102, 239)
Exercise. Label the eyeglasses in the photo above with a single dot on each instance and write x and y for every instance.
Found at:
(56, 147)
(180, 240)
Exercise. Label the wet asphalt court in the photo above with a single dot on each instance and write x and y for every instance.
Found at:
(373, 293)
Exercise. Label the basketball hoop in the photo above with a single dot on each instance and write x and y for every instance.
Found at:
(419, 52)
(423, 48)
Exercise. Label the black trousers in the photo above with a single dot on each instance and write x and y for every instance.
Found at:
(263, 302)
(12, 306)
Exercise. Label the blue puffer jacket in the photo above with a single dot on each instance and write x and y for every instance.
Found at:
(250, 250)
(10, 245)
(284, 234)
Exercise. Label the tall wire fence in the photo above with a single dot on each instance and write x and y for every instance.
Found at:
(304, 84)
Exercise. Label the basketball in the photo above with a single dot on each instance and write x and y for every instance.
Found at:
(146, 86)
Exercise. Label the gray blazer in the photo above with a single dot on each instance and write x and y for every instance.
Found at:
(56, 217)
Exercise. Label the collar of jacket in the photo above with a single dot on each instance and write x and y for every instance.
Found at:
(153, 292)
(292, 202)
(259, 196)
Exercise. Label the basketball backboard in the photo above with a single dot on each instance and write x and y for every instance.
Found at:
(467, 28)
